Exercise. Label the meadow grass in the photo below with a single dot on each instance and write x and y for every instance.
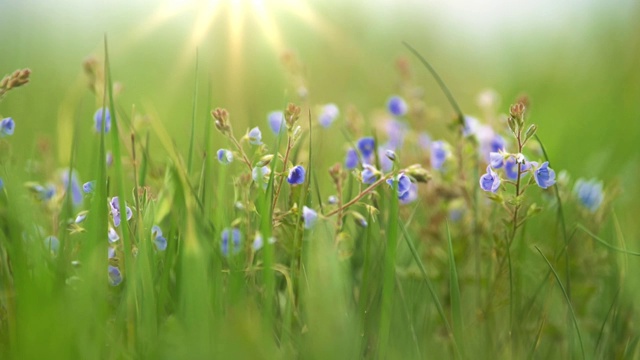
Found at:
(442, 269)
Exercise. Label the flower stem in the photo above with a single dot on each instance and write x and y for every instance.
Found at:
(245, 159)
(359, 196)
(284, 167)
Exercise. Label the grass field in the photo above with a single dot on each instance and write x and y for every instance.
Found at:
(175, 229)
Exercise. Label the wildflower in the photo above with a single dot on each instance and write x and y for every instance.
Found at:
(225, 156)
(544, 175)
(258, 242)
(332, 200)
(496, 160)
(102, 113)
(52, 244)
(309, 216)
(396, 131)
(328, 115)
(261, 175)
(7, 127)
(490, 181)
(81, 216)
(424, 140)
(113, 235)
(409, 196)
(115, 277)
(111, 253)
(296, 175)
(511, 168)
(275, 120)
(366, 145)
(236, 238)
(89, 187)
(159, 240)
(404, 185)
(45, 193)
(589, 192)
(397, 106)
(351, 160)
(115, 211)
(369, 174)
(360, 220)
(255, 136)
(471, 126)
(76, 192)
(439, 153)
(386, 163)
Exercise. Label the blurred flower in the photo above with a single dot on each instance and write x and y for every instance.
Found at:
(109, 159)
(360, 220)
(225, 156)
(490, 181)
(397, 106)
(544, 175)
(276, 120)
(255, 136)
(115, 277)
(496, 160)
(115, 211)
(258, 242)
(98, 117)
(158, 239)
(1, 184)
(45, 193)
(76, 192)
(328, 115)
(261, 175)
(369, 174)
(410, 196)
(589, 192)
(89, 187)
(367, 146)
(7, 127)
(424, 140)
(81, 217)
(386, 164)
(309, 216)
(235, 236)
(439, 153)
(111, 253)
(396, 131)
(351, 160)
(332, 200)
(404, 185)
(113, 235)
(52, 244)
(296, 175)
(471, 126)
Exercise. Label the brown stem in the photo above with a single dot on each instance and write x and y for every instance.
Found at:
(359, 196)
(239, 147)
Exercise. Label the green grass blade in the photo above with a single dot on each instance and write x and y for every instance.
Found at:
(606, 244)
(193, 117)
(456, 307)
(566, 296)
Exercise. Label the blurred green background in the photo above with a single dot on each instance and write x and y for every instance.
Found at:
(578, 60)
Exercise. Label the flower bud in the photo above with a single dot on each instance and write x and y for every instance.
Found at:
(530, 132)
(418, 173)
(265, 160)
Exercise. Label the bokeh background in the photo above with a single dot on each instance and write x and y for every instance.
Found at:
(579, 61)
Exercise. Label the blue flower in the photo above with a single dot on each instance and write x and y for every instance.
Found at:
(471, 126)
(332, 200)
(309, 216)
(497, 143)
(397, 106)
(396, 131)
(89, 187)
(409, 196)
(328, 115)
(424, 140)
(276, 120)
(1, 184)
(367, 146)
(158, 239)
(115, 211)
(404, 185)
(81, 216)
(52, 244)
(261, 175)
(224, 156)
(113, 235)
(115, 277)
(255, 136)
(111, 253)
(296, 175)
(45, 193)
(98, 116)
(490, 181)
(589, 192)
(544, 175)
(351, 160)
(76, 192)
(386, 164)
(369, 174)
(511, 168)
(235, 236)
(439, 153)
(258, 242)
(7, 127)
(496, 160)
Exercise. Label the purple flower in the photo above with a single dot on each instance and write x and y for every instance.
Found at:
(328, 115)
(369, 174)
(224, 156)
(404, 186)
(159, 240)
(544, 175)
(276, 120)
(111, 253)
(81, 216)
(511, 168)
(115, 277)
(115, 211)
(589, 192)
(309, 216)
(296, 175)
(332, 200)
(397, 106)
(496, 160)
(113, 235)
(367, 146)
(98, 117)
(255, 136)
(89, 187)
(439, 153)
(490, 181)
(410, 196)
(76, 192)
(386, 164)
(7, 127)
(45, 193)
(351, 160)
(471, 126)
(396, 130)
(235, 236)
